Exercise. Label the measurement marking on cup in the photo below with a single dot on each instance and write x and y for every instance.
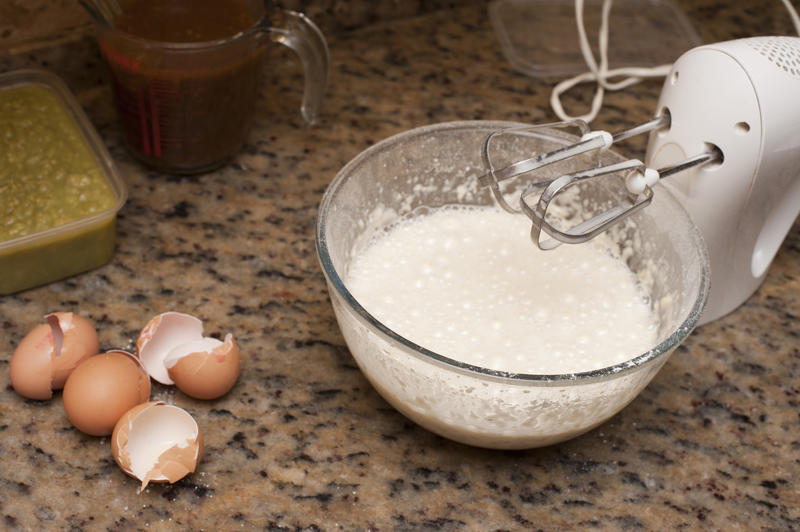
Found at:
(143, 123)
(155, 122)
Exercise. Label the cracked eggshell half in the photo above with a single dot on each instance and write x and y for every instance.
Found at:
(206, 368)
(102, 388)
(157, 442)
(50, 352)
(162, 334)
(174, 351)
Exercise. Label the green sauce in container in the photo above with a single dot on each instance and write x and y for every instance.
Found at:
(48, 174)
(59, 189)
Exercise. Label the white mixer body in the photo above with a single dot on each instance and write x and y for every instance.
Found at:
(742, 97)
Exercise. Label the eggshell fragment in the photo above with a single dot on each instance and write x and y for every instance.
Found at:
(78, 341)
(174, 351)
(156, 442)
(48, 354)
(205, 369)
(160, 336)
(102, 388)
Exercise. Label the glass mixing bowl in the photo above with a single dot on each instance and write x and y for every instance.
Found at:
(438, 165)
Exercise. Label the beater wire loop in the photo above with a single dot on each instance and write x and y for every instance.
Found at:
(540, 191)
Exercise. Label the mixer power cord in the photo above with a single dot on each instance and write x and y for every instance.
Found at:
(602, 76)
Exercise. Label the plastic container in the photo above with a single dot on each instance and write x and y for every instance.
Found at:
(540, 37)
(78, 245)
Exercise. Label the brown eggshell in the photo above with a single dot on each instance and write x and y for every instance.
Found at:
(119, 437)
(162, 334)
(47, 355)
(102, 388)
(79, 342)
(31, 364)
(208, 374)
(155, 428)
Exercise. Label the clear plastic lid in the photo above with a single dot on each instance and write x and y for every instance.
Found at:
(540, 37)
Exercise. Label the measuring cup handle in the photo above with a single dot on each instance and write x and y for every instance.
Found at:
(299, 33)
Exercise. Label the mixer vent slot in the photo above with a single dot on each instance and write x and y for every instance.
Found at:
(783, 52)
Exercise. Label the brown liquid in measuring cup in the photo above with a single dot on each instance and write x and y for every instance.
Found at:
(184, 107)
(182, 21)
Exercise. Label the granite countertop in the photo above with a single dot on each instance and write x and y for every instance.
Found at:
(303, 442)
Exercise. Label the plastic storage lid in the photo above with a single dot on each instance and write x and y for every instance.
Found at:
(540, 37)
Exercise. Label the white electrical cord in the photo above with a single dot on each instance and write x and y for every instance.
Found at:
(601, 75)
(793, 15)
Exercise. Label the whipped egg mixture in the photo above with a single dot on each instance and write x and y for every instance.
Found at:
(468, 283)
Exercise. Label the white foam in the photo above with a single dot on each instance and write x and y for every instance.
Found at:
(468, 283)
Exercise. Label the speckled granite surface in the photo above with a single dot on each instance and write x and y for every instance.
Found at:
(303, 442)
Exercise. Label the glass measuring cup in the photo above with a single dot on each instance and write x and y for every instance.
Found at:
(187, 107)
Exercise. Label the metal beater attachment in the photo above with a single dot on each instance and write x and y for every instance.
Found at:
(639, 179)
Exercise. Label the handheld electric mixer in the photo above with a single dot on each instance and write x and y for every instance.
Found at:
(727, 128)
